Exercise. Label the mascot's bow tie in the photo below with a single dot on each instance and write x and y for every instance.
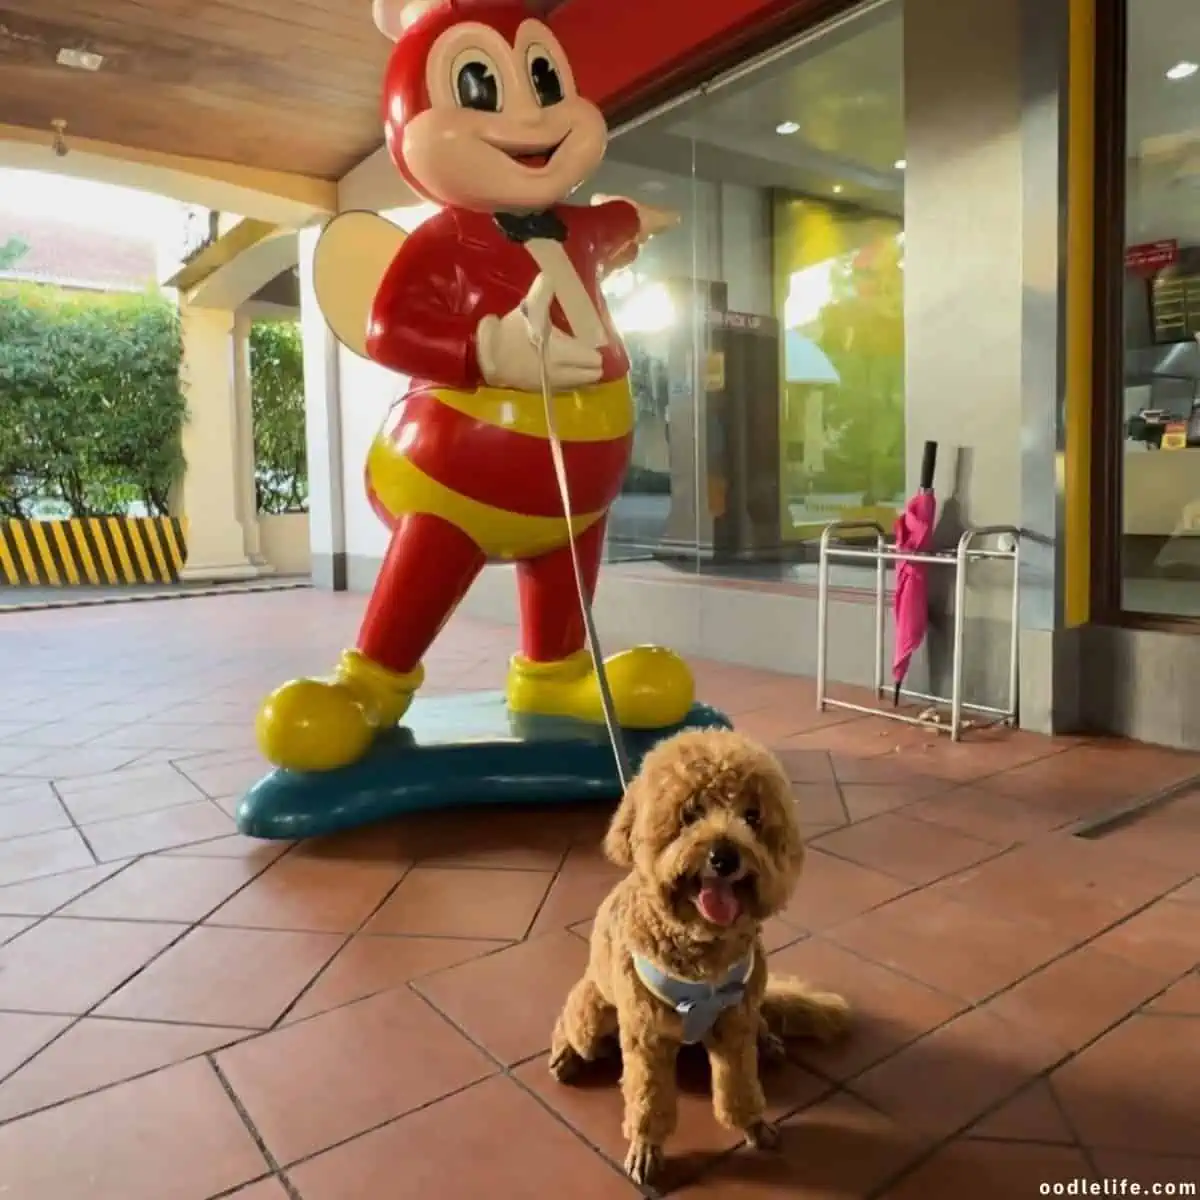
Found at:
(525, 226)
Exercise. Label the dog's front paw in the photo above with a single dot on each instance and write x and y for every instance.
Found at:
(643, 1162)
(772, 1049)
(565, 1063)
(763, 1135)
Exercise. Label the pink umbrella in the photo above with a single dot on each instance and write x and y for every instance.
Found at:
(913, 532)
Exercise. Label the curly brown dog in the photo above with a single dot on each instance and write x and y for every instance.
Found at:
(708, 830)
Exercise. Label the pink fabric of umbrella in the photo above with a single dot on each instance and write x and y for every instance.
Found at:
(913, 532)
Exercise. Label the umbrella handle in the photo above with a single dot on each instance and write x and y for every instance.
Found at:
(928, 466)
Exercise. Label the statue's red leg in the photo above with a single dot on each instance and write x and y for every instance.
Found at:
(429, 567)
(551, 620)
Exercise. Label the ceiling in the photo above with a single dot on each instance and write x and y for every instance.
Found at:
(289, 85)
(1163, 135)
(293, 85)
(844, 91)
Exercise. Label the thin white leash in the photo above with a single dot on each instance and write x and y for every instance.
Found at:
(615, 735)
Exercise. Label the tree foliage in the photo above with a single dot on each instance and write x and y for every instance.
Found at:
(12, 250)
(862, 332)
(280, 451)
(91, 406)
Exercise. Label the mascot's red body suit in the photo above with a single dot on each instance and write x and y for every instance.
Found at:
(483, 118)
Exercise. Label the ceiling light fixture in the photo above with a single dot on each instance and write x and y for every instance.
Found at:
(79, 60)
(837, 189)
(786, 127)
(900, 164)
(1182, 70)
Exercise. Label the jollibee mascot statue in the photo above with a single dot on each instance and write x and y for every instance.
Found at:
(483, 118)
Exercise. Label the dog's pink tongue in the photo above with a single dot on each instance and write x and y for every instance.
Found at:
(718, 904)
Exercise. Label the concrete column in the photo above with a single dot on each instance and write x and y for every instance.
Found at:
(244, 464)
(323, 427)
(963, 296)
(211, 493)
(985, 228)
(962, 229)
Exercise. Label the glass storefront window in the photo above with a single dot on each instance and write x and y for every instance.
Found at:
(1160, 428)
(767, 331)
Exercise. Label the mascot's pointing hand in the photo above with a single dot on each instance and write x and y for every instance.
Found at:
(651, 220)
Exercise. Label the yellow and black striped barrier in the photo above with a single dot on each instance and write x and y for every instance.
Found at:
(91, 551)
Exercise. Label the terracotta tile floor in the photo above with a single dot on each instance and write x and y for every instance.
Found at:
(188, 1014)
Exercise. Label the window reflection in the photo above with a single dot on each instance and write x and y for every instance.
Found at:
(767, 331)
(1160, 549)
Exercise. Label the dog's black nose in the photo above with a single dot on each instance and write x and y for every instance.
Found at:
(724, 859)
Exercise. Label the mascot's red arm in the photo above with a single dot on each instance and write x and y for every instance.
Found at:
(420, 323)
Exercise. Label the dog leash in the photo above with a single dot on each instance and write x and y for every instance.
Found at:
(616, 736)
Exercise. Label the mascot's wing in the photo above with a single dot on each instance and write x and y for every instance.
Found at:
(353, 254)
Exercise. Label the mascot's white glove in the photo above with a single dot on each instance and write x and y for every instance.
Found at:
(509, 355)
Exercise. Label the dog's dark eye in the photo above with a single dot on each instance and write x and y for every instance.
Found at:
(753, 818)
(692, 812)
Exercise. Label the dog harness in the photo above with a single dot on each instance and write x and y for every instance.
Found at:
(699, 1004)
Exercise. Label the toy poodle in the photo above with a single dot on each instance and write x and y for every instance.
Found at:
(709, 834)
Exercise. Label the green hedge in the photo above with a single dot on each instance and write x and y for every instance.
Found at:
(280, 449)
(92, 410)
(91, 406)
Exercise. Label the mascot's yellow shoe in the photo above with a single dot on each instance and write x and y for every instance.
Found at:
(323, 724)
(652, 688)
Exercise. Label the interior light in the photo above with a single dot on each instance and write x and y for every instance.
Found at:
(79, 60)
(900, 164)
(1183, 70)
(838, 189)
(622, 283)
(647, 310)
(786, 127)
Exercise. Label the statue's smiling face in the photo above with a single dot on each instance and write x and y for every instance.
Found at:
(506, 129)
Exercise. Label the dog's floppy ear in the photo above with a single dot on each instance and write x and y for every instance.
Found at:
(618, 841)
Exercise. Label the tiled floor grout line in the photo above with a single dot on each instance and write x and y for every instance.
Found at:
(233, 1192)
(185, 930)
(828, 935)
(562, 862)
(54, 912)
(834, 1086)
(1043, 1073)
(822, 935)
(251, 1031)
(347, 939)
(1000, 852)
(508, 1072)
(137, 1075)
(354, 1137)
(905, 810)
(251, 1128)
(837, 785)
(1069, 1124)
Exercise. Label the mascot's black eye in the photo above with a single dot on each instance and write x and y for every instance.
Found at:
(753, 818)
(478, 87)
(547, 83)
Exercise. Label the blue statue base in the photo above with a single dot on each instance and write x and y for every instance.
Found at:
(454, 751)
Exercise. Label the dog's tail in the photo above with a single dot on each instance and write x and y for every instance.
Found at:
(792, 1009)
